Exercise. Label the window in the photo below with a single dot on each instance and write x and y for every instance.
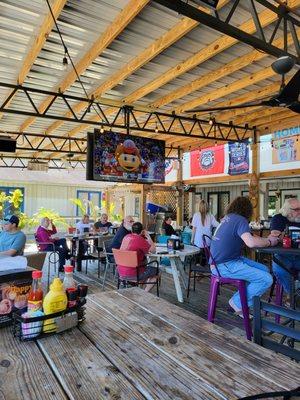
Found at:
(8, 207)
(84, 195)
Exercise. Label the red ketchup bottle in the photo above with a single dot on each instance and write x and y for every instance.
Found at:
(286, 241)
(35, 296)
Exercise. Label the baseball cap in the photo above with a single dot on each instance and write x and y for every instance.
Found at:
(13, 219)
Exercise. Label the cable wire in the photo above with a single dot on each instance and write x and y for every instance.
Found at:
(70, 58)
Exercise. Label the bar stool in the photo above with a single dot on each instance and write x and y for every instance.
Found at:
(216, 281)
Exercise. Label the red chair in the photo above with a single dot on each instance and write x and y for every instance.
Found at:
(129, 259)
(216, 281)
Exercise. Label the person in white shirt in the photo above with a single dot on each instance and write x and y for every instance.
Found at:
(84, 226)
(203, 223)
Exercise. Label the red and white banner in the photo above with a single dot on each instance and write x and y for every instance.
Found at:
(209, 161)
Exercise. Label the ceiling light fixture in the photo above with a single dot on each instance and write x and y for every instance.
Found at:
(211, 120)
(65, 60)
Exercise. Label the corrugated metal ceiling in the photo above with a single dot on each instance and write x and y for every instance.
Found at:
(81, 24)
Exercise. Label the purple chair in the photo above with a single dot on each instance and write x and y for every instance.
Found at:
(216, 281)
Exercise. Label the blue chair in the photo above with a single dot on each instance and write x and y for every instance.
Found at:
(162, 239)
(186, 237)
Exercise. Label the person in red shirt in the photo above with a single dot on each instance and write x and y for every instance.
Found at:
(45, 239)
(139, 240)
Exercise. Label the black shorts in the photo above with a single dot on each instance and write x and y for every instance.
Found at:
(148, 273)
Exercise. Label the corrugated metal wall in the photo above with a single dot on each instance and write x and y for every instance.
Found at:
(51, 196)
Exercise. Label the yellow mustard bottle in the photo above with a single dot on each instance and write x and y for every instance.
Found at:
(54, 301)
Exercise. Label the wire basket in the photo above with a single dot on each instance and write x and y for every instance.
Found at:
(33, 328)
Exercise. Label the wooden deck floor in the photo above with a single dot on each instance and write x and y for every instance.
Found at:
(196, 303)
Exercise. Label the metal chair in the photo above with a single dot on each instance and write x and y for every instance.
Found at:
(197, 267)
(216, 281)
(262, 325)
(106, 258)
(53, 256)
(129, 259)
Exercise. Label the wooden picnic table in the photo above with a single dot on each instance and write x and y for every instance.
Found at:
(134, 345)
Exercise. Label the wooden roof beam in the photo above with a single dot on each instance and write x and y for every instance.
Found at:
(38, 42)
(159, 45)
(266, 17)
(217, 46)
(130, 11)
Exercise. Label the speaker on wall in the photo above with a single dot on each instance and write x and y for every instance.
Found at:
(7, 144)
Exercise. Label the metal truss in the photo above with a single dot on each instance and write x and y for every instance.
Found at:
(69, 145)
(288, 21)
(125, 118)
(53, 163)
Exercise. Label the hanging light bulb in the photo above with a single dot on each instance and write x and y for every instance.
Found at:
(156, 128)
(211, 120)
(65, 61)
(102, 127)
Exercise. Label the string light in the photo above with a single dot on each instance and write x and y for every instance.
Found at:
(102, 128)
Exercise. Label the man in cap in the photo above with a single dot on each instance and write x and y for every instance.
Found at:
(12, 240)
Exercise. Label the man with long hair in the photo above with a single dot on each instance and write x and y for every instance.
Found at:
(289, 215)
(226, 248)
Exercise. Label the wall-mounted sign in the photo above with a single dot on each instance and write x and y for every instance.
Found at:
(283, 133)
(286, 150)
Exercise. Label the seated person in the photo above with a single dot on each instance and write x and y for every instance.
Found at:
(84, 226)
(139, 240)
(124, 229)
(186, 235)
(44, 235)
(289, 215)
(12, 240)
(169, 230)
(102, 225)
(226, 247)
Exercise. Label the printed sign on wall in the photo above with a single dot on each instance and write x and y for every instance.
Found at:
(238, 158)
(209, 161)
(286, 150)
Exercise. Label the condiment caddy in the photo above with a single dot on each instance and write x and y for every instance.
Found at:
(60, 309)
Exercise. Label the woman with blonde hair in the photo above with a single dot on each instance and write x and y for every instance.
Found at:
(203, 223)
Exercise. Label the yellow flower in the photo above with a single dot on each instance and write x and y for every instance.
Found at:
(16, 198)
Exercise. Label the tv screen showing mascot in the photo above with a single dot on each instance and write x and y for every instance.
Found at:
(117, 157)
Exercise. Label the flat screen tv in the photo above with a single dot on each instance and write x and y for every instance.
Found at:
(116, 157)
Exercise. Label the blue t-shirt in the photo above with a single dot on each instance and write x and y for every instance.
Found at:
(15, 241)
(226, 244)
(279, 223)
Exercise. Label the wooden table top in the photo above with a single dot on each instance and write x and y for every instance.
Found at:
(134, 345)
(278, 250)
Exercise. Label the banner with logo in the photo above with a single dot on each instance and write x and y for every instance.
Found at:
(238, 158)
(286, 150)
(171, 169)
(209, 161)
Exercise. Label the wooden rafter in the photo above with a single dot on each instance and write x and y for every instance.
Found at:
(129, 12)
(38, 42)
(219, 45)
